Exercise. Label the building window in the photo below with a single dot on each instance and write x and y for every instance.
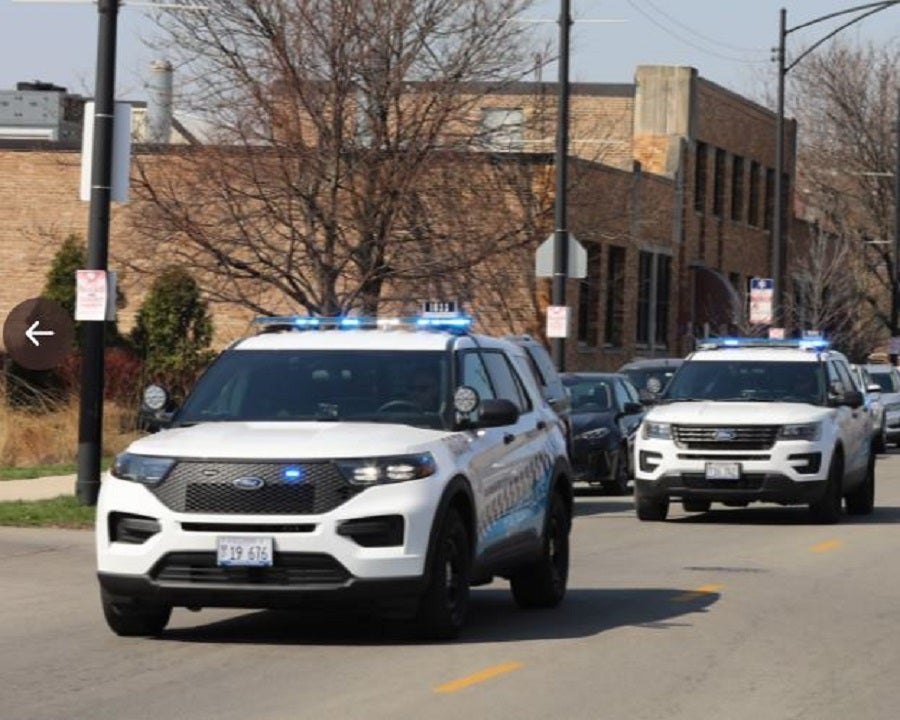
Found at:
(502, 129)
(700, 178)
(737, 189)
(753, 203)
(770, 198)
(589, 299)
(719, 183)
(654, 283)
(615, 297)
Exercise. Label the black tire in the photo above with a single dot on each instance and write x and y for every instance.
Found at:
(618, 485)
(827, 509)
(696, 505)
(543, 584)
(862, 500)
(880, 444)
(134, 618)
(444, 604)
(653, 509)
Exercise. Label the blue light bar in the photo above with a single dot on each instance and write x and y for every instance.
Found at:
(450, 322)
(805, 343)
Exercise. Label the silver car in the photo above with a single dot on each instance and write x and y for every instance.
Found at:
(887, 377)
(871, 392)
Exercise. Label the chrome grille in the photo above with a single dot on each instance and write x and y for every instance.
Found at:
(208, 487)
(725, 437)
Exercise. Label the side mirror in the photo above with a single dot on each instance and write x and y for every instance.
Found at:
(497, 412)
(851, 398)
(632, 408)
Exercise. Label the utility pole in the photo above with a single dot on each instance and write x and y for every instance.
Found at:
(90, 420)
(778, 210)
(895, 275)
(561, 235)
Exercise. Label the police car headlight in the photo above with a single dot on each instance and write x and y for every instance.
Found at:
(800, 431)
(396, 468)
(656, 430)
(141, 468)
(595, 434)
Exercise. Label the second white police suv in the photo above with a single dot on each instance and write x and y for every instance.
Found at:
(747, 420)
(385, 463)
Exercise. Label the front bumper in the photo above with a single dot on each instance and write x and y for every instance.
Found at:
(313, 556)
(765, 487)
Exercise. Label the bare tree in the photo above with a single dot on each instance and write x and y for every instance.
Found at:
(338, 167)
(845, 99)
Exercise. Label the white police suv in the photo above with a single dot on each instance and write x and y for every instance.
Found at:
(383, 463)
(747, 420)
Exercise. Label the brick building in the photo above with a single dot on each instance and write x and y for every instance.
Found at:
(671, 194)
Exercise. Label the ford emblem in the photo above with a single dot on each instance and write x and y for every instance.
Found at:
(249, 483)
(725, 435)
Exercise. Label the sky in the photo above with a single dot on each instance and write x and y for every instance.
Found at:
(728, 41)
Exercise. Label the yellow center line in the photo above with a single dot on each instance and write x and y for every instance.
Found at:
(826, 546)
(698, 593)
(479, 677)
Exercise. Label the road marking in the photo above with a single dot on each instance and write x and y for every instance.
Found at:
(698, 593)
(479, 677)
(826, 546)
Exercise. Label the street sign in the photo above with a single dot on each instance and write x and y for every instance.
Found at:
(761, 291)
(557, 321)
(543, 258)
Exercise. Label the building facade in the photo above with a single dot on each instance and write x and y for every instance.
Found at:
(671, 182)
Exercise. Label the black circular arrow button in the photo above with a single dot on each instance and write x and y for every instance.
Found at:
(38, 333)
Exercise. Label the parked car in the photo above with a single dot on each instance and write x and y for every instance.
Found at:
(871, 392)
(651, 375)
(606, 412)
(888, 379)
(548, 379)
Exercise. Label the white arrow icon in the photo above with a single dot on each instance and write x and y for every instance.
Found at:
(32, 331)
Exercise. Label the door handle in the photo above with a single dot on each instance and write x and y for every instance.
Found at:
(508, 438)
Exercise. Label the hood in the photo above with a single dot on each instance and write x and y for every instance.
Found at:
(284, 440)
(737, 413)
(590, 420)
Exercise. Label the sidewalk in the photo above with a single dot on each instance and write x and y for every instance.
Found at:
(42, 488)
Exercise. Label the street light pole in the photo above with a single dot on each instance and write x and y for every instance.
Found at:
(778, 211)
(561, 235)
(778, 245)
(90, 420)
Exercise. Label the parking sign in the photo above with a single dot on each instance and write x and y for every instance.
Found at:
(761, 290)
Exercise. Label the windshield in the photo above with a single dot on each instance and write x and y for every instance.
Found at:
(590, 395)
(749, 380)
(652, 379)
(324, 385)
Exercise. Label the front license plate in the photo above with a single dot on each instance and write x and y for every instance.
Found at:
(244, 551)
(723, 471)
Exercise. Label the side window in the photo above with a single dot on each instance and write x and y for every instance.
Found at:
(545, 365)
(835, 385)
(526, 374)
(843, 373)
(475, 374)
(504, 378)
(895, 380)
(621, 394)
(633, 395)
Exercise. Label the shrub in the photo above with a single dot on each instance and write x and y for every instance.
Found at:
(173, 331)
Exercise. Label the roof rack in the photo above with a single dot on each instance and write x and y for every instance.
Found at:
(814, 343)
(448, 322)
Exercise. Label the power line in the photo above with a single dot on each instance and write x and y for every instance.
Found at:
(680, 38)
(697, 33)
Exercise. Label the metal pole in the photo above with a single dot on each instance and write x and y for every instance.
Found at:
(895, 277)
(90, 421)
(777, 210)
(561, 236)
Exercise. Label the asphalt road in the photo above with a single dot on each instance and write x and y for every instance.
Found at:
(730, 614)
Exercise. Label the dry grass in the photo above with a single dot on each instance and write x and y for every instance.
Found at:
(51, 436)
